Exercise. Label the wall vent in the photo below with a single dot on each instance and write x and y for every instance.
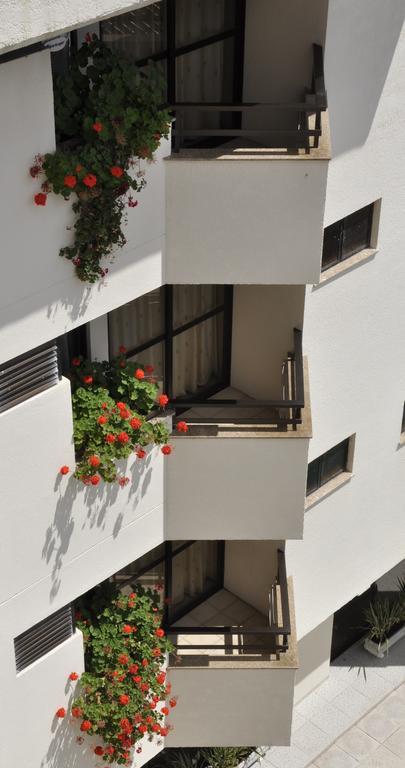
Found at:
(43, 637)
(27, 375)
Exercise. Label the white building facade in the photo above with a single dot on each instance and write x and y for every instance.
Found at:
(262, 267)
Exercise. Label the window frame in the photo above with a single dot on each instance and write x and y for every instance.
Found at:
(342, 225)
(170, 332)
(167, 558)
(171, 52)
(318, 463)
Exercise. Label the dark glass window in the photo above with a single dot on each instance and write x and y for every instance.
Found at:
(327, 466)
(347, 237)
(199, 46)
(403, 420)
(188, 572)
(183, 331)
(72, 344)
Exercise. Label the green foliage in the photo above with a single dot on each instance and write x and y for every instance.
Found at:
(110, 403)
(209, 757)
(381, 617)
(124, 652)
(112, 110)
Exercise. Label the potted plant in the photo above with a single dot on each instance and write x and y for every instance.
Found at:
(385, 621)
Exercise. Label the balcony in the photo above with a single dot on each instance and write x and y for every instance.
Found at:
(245, 216)
(239, 444)
(238, 648)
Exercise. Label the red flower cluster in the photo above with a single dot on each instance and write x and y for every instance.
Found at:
(97, 126)
(163, 400)
(166, 450)
(64, 470)
(116, 171)
(40, 198)
(182, 426)
(90, 180)
(70, 181)
(139, 374)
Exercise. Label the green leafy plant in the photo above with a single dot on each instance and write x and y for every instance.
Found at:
(208, 757)
(121, 697)
(109, 110)
(381, 617)
(111, 401)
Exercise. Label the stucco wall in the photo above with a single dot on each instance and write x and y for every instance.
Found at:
(250, 570)
(244, 221)
(26, 22)
(236, 488)
(68, 536)
(354, 338)
(264, 318)
(40, 296)
(220, 700)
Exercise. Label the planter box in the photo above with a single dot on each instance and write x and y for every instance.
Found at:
(381, 649)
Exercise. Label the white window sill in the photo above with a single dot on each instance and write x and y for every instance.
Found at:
(325, 490)
(347, 265)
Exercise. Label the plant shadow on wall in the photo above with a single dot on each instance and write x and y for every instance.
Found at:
(109, 113)
(119, 417)
(123, 696)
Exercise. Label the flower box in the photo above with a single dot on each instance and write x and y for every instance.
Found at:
(380, 650)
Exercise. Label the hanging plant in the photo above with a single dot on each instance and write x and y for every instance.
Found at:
(121, 697)
(110, 112)
(111, 402)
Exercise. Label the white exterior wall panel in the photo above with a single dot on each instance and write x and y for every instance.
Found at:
(40, 295)
(355, 325)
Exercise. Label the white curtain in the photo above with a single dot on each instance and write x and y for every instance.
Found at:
(197, 352)
(194, 570)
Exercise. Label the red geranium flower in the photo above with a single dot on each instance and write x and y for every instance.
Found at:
(137, 679)
(123, 481)
(173, 702)
(161, 677)
(165, 710)
(104, 406)
(149, 368)
(145, 663)
(70, 181)
(86, 725)
(116, 171)
(98, 751)
(124, 413)
(163, 400)
(94, 461)
(61, 712)
(109, 750)
(164, 731)
(123, 437)
(127, 629)
(181, 426)
(139, 374)
(124, 699)
(160, 632)
(87, 379)
(97, 127)
(90, 180)
(76, 361)
(73, 676)
(133, 669)
(166, 449)
(110, 438)
(64, 470)
(77, 712)
(121, 405)
(123, 658)
(142, 728)
(135, 423)
(95, 479)
(122, 350)
(40, 198)
(140, 453)
(156, 652)
(102, 420)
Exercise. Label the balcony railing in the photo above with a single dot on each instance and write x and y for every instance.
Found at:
(271, 638)
(303, 136)
(282, 413)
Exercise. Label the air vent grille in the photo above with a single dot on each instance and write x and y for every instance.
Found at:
(43, 637)
(27, 375)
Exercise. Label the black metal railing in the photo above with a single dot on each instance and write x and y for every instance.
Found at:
(282, 413)
(302, 136)
(273, 635)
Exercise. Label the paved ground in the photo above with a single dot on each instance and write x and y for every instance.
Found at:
(356, 719)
